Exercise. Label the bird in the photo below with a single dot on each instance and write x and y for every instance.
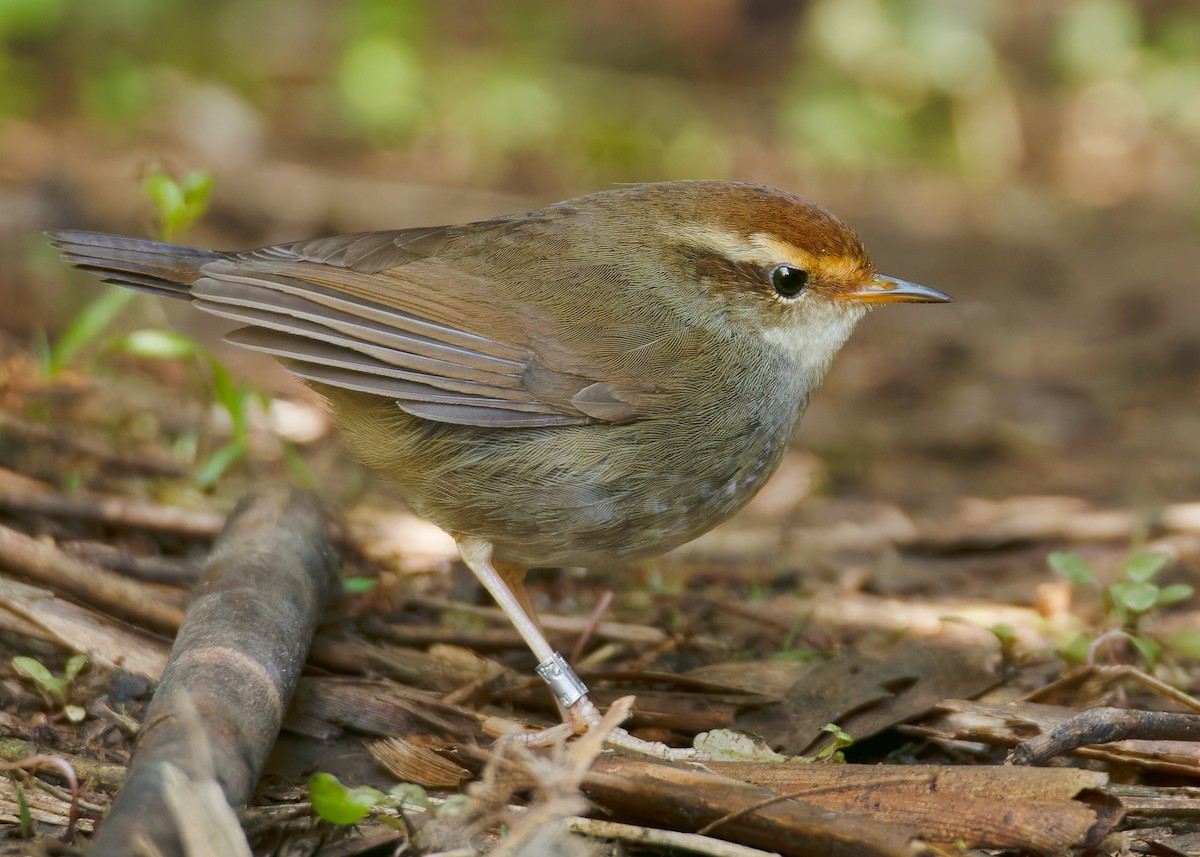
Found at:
(582, 384)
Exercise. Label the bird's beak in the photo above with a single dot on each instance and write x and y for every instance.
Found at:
(881, 289)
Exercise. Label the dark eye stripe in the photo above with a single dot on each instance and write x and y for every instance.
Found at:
(788, 281)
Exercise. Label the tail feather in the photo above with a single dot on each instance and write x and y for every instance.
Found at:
(148, 266)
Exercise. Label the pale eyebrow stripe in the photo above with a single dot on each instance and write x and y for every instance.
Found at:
(763, 249)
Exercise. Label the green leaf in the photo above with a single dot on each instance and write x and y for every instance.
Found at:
(50, 684)
(1141, 567)
(353, 585)
(1147, 648)
(24, 817)
(796, 655)
(197, 191)
(157, 344)
(301, 473)
(212, 469)
(87, 324)
(1137, 598)
(452, 807)
(32, 668)
(1074, 567)
(1006, 634)
(1185, 642)
(840, 736)
(74, 666)
(178, 203)
(409, 794)
(1075, 650)
(165, 195)
(338, 804)
(1174, 593)
(231, 396)
(841, 740)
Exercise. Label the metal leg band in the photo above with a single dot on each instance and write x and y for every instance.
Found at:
(567, 687)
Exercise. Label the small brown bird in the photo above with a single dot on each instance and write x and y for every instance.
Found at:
(601, 379)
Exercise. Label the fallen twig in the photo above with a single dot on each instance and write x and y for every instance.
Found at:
(671, 840)
(41, 615)
(1104, 726)
(145, 461)
(46, 564)
(43, 760)
(232, 671)
(114, 510)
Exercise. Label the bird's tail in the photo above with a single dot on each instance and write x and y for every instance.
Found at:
(148, 266)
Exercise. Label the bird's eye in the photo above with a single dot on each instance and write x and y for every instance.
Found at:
(789, 282)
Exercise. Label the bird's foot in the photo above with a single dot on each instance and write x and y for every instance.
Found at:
(583, 716)
(580, 716)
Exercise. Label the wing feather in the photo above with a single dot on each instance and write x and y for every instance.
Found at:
(384, 313)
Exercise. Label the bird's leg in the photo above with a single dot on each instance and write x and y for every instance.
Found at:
(506, 585)
(580, 715)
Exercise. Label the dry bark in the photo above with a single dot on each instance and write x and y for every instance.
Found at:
(236, 660)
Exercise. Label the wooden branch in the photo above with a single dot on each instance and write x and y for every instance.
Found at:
(167, 570)
(74, 440)
(42, 562)
(41, 615)
(110, 509)
(1011, 723)
(217, 711)
(687, 799)
(1043, 811)
(1104, 726)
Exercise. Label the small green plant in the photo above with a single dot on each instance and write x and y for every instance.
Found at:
(1128, 601)
(85, 327)
(55, 690)
(235, 398)
(24, 816)
(788, 650)
(177, 204)
(1006, 636)
(339, 804)
(832, 752)
(356, 585)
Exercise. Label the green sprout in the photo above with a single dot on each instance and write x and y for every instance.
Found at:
(341, 805)
(832, 752)
(24, 816)
(55, 690)
(235, 398)
(177, 205)
(1128, 601)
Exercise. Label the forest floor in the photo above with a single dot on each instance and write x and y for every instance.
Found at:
(894, 578)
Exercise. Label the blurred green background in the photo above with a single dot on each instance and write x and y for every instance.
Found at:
(1040, 160)
(1097, 99)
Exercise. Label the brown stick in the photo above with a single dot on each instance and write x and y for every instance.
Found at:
(33, 612)
(110, 509)
(144, 461)
(46, 564)
(233, 668)
(689, 798)
(1104, 726)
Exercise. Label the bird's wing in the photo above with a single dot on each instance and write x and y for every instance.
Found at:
(389, 313)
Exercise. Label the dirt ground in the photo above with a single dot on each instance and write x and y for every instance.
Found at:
(1053, 405)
